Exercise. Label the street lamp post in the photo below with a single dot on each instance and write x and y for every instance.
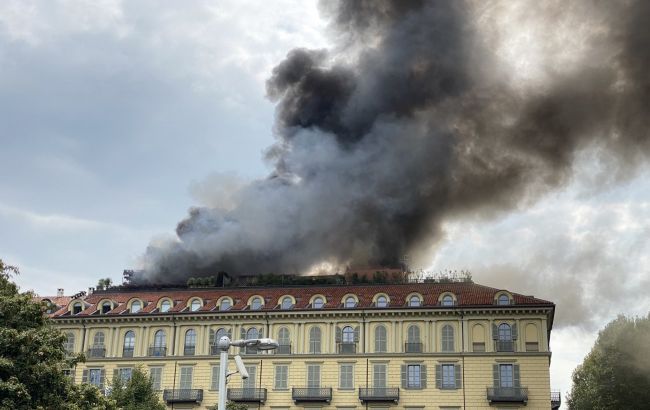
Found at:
(224, 345)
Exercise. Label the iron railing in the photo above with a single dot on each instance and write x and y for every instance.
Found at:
(247, 394)
(127, 352)
(346, 347)
(311, 394)
(367, 394)
(189, 350)
(97, 351)
(413, 347)
(556, 400)
(183, 395)
(507, 394)
(504, 345)
(156, 351)
(283, 349)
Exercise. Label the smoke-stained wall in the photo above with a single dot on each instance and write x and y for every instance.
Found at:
(412, 118)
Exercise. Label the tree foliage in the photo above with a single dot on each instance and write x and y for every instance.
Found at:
(32, 357)
(103, 284)
(616, 373)
(231, 405)
(135, 394)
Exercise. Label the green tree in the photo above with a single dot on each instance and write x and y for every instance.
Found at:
(231, 405)
(104, 283)
(32, 357)
(616, 373)
(137, 393)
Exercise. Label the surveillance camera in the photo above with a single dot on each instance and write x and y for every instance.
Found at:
(241, 368)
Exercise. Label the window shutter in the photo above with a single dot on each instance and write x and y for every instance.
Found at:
(495, 332)
(495, 375)
(423, 376)
(356, 334)
(403, 376)
(338, 334)
(211, 341)
(260, 332)
(459, 381)
(439, 376)
(102, 377)
(242, 333)
(515, 371)
(84, 376)
(514, 331)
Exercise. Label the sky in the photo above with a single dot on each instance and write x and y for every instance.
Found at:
(116, 117)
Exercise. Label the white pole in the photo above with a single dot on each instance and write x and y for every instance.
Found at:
(223, 345)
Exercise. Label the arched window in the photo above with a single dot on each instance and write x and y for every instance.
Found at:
(447, 300)
(348, 334)
(69, 343)
(195, 305)
(190, 343)
(382, 301)
(252, 333)
(165, 306)
(225, 304)
(98, 339)
(129, 344)
(350, 302)
(284, 341)
(318, 303)
(136, 305)
(159, 339)
(76, 308)
(447, 338)
(287, 303)
(504, 300)
(414, 301)
(380, 339)
(256, 303)
(314, 339)
(413, 334)
(505, 332)
(106, 307)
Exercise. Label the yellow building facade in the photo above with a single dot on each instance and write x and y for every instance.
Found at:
(399, 346)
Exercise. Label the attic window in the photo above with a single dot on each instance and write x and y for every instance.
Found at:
(382, 301)
(447, 300)
(165, 306)
(256, 303)
(318, 303)
(350, 302)
(76, 308)
(225, 304)
(503, 300)
(195, 305)
(136, 306)
(287, 303)
(415, 301)
(106, 307)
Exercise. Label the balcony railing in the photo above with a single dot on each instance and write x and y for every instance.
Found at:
(127, 352)
(556, 400)
(157, 351)
(346, 347)
(367, 394)
(247, 394)
(183, 395)
(413, 347)
(311, 394)
(504, 345)
(189, 350)
(97, 351)
(507, 394)
(283, 349)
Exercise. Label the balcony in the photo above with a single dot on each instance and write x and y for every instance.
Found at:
(157, 351)
(127, 352)
(247, 394)
(413, 347)
(96, 351)
(378, 394)
(183, 395)
(556, 400)
(313, 394)
(507, 394)
(283, 349)
(504, 345)
(346, 347)
(189, 350)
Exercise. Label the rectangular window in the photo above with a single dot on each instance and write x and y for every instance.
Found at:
(532, 347)
(155, 373)
(448, 376)
(125, 374)
(214, 381)
(314, 346)
(186, 377)
(379, 375)
(95, 377)
(281, 377)
(478, 346)
(313, 375)
(346, 376)
(69, 373)
(413, 380)
(506, 376)
(252, 377)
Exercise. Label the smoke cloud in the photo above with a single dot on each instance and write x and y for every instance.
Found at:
(421, 112)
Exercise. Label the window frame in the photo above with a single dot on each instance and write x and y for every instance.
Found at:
(281, 377)
(379, 343)
(445, 383)
(413, 376)
(447, 338)
(346, 374)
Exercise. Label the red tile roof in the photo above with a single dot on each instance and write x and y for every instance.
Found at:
(467, 294)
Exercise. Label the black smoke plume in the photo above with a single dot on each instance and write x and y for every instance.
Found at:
(412, 118)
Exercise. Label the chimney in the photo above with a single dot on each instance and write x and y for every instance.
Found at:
(90, 291)
(59, 292)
